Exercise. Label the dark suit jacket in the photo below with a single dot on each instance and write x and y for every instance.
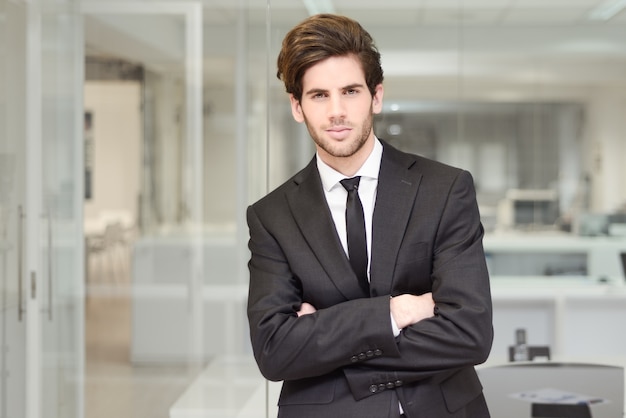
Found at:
(343, 360)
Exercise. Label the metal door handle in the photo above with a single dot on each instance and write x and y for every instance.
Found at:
(49, 267)
(20, 244)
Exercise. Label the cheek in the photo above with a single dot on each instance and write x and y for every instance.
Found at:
(312, 115)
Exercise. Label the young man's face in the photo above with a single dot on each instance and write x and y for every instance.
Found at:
(337, 108)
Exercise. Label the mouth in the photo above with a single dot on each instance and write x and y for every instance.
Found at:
(338, 132)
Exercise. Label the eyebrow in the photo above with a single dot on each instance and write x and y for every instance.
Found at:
(348, 87)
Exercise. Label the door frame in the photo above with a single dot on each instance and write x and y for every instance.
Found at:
(38, 288)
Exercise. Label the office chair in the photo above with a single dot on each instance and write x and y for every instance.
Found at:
(541, 410)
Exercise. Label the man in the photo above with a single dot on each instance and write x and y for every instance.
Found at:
(404, 339)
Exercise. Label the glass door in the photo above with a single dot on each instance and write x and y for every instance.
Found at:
(162, 41)
(61, 269)
(40, 242)
(12, 206)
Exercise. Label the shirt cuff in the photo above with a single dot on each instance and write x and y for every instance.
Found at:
(394, 326)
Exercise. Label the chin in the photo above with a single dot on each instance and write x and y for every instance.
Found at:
(342, 150)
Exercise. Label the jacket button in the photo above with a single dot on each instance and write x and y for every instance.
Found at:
(378, 352)
(373, 388)
(362, 356)
(390, 385)
(399, 383)
(354, 359)
(369, 353)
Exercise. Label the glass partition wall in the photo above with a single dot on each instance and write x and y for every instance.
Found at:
(182, 124)
(174, 91)
(530, 98)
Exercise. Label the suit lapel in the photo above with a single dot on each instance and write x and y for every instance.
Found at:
(310, 211)
(398, 182)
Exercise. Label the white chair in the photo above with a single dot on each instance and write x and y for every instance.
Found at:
(107, 251)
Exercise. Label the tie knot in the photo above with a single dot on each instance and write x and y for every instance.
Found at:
(351, 183)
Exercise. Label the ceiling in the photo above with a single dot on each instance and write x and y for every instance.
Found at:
(425, 12)
(496, 45)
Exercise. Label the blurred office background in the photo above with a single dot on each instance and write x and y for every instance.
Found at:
(133, 134)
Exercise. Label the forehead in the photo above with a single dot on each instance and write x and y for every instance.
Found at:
(334, 72)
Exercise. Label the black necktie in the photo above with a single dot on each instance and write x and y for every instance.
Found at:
(355, 228)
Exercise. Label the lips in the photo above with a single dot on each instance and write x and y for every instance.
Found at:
(339, 132)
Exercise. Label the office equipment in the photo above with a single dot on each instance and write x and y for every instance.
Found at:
(523, 208)
(520, 349)
(533, 352)
(617, 224)
(593, 224)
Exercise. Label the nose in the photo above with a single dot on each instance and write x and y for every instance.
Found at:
(336, 106)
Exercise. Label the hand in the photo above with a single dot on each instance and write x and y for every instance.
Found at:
(409, 309)
(306, 309)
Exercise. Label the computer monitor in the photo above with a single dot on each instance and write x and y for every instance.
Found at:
(535, 212)
(517, 390)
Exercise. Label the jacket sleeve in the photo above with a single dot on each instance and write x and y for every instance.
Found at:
(288, 347)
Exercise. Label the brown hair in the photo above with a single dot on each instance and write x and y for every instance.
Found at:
(323, 36)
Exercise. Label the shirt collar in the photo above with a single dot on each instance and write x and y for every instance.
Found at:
(370, 168)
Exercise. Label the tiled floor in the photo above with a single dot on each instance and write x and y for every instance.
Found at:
(113, 386)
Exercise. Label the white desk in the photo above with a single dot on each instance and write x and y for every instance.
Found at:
(555, 253)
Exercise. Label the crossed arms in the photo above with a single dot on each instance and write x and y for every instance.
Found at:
(405, 309)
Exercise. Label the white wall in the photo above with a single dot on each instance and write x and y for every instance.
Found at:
(606, 148)
(117, 136)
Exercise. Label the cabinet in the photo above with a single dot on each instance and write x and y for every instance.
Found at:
(566, 291)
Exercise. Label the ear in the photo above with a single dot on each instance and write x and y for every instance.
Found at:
(377, 99)
(296, 109)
